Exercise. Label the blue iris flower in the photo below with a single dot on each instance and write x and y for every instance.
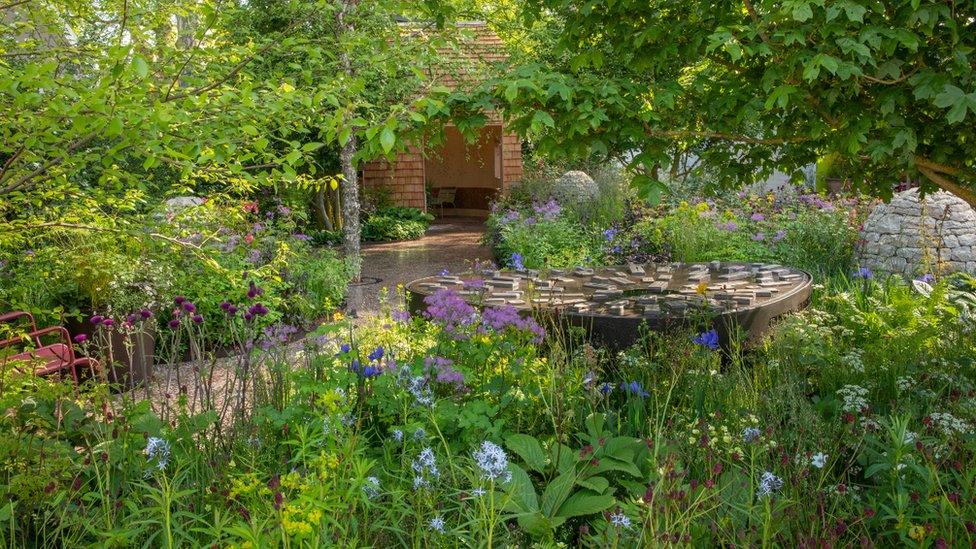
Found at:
(376, 355)
(864, 273)
(707, 339)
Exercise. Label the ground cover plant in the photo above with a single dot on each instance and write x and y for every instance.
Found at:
(851, 424)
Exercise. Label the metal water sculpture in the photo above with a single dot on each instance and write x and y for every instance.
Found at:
(612, 303)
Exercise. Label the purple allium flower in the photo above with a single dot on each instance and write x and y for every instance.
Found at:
(248, 317)
(510, 216)
(257, 310)
(253, 290)
(81, 338)
(179, 300)
(175, 323)
(449, 309)
(757, 217)
(189, 307)
(516, 261)
(96, 319)
(108, 323)
(197, 319)
(759, 237)
(707, 339)
(780, 235)
(145, 314)
(864, 273)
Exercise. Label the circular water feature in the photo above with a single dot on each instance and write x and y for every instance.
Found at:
(612, 303)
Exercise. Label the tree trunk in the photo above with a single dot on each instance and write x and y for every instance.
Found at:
(350, 183)
(321, 211)
(350, 207)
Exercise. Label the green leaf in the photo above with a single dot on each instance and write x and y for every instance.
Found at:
(584, 503)
(311, 146)
(802, 12)
(523, 497)
(249, 129)
(950, 95)
(529, 449)
(387, 139)
(597, 484)
(140, 66)
(557, 492)
(511, 92)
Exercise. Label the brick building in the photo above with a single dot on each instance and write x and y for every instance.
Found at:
(476, 171)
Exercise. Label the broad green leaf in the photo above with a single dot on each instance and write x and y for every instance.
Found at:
(140, 66)
(529, 449)
(522, 494)
(387, 139)
(557, 491)
(584, 503)
(802, 11)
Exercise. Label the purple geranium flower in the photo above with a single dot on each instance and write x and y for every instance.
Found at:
(757, 217)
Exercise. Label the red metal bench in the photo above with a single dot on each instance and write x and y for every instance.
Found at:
(49, 359)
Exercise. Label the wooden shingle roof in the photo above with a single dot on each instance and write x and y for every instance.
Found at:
(472, 49)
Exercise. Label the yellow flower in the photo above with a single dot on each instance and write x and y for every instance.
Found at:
(337, 316)
(701, 288)
(916, 532)
(702, 207)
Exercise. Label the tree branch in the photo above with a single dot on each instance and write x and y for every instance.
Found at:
(686, 134)
(934, 176)
(43, 168)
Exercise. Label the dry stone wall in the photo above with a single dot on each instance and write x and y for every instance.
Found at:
(912, 235)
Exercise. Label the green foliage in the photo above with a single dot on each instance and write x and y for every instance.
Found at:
(396, 223)
(749, 87)
(860, 408)
(808, 232)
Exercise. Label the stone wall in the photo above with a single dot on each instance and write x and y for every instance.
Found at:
(912, 236)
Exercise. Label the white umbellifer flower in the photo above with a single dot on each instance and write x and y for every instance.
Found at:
(950, 424)
(492, 461)
(853, 360)
(855, 398)
(819, 460)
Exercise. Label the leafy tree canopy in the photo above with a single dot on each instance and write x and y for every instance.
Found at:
(108, 104)
(752, 85)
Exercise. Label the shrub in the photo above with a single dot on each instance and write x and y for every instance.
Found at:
(396, 223)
